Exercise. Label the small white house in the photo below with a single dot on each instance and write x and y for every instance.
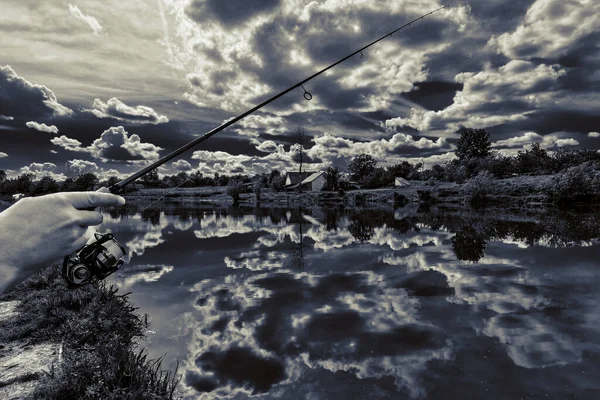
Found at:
(311, 181)
(17, 196)
(400, 182)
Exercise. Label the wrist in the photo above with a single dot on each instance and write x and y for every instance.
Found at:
(9, 275)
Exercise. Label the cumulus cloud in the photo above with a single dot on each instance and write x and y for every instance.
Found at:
(81, 166)
(594, 134)
(39, 170)
(549, 28)
(67, 143)
(115, 108)
(255, 125)
(182, 165)
(547, 141)
(490, 97)
(115, 144)
(87, 19)
(327, 150)
(235, 65)
(3, 154)
(21, 98)
(42, 127)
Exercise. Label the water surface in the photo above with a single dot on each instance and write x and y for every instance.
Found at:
(352, 304)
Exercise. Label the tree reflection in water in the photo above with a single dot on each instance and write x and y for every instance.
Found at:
(468, 245)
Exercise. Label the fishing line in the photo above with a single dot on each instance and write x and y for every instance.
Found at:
(166, 194)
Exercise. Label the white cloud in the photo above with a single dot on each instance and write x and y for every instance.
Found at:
(182, 165)
(549, 28)
(234, 65)
(547, 141)
(594, 134)
(67, 143)
(6, 118)
(519, 141)
(42, 127)
(81, 166)
(115, 145)
(254, 124)
(115, 108)
(39, 170)
(510, 91)
(3, 154)
(88, 19)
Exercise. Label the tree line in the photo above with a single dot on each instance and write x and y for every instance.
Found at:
(474, 155)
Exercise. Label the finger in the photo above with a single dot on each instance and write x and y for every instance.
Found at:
(82, 200)
(78, 244)
(87, 218)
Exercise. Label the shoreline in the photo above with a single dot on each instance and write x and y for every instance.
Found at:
(83, 343)
(521, 190)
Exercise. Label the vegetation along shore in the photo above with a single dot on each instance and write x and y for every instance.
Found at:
(86, 342)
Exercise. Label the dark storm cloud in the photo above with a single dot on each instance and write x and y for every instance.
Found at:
(21, 98)
(230, 12)
(433, 95)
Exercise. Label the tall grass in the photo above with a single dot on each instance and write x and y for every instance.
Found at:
(98, 328)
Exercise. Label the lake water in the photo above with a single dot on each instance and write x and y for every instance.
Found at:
(368, 304)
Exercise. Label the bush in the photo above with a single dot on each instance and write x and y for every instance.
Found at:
(576, 184)
(234, 190)
(478, 189)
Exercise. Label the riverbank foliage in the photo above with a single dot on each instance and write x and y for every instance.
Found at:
(474, 157)
(99, 330)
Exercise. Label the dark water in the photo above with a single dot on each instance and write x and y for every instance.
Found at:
(369, 304)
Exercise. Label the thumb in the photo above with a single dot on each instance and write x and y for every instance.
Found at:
(84, 200)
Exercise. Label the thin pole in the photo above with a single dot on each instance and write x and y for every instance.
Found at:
(116, 188)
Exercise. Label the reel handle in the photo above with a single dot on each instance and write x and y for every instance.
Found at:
(101, 256)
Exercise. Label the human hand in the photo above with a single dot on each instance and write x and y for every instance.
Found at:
(37, 231)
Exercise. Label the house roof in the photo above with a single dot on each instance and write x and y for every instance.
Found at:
(296, 177)
(311, 177)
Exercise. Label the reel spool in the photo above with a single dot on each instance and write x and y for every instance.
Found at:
(94, 262)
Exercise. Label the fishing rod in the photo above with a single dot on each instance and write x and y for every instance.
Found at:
(116, 188)
(104, 255)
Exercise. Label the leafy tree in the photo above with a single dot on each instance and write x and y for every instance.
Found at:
(151, 179)
(378, 177)
(24, 183)
(404, 169)
(361, 166)
(85, 182)
(332, 178)
(113, 180)
(534, 160)
(473, 143)
(46, 185)
(235, 190)
(67, 185)
(2, 175)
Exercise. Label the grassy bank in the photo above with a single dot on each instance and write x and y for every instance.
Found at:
(516, 190)
(97, 332)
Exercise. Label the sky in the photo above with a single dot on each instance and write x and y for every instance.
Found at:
(108, 87)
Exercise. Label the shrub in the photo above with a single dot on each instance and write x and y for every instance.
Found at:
(576, 184)
(478, 189)
(234, 190)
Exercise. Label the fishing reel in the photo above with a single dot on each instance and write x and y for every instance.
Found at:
(95, 261)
